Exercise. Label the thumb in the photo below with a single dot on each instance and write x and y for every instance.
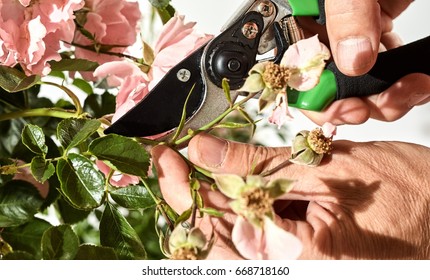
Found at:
(354, 29)
(221, 156)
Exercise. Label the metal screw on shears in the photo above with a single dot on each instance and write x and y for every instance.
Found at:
(183, 75)
(266, 8)
(250, 30)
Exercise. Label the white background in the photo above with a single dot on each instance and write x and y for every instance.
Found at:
(413, 24)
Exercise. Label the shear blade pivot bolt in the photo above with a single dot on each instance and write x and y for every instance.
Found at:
(250, 30)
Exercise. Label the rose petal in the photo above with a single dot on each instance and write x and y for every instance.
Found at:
(329, 129)
(247, 239)
(280, 244)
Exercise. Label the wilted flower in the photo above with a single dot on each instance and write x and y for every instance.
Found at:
(31, 32)
(306, 61)
(188, 244)
(309, 147)
(300, 68)
(117, 179)
(255, 235)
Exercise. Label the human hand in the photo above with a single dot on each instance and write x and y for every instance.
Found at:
(366, 201)
(356, 31)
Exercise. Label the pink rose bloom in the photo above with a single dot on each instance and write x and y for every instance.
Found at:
(132, 84)
(177, 40)
(111, 22)
(306, 59)
(118, 179)
(31, 32)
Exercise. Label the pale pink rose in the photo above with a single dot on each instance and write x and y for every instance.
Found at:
(280, 114)
(111, 22)
(118, 179)
(31, 32)
(306, 59)
(267, 243)
(177, 40)
(130, 80)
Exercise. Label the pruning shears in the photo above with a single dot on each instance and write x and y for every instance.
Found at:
(256, 28)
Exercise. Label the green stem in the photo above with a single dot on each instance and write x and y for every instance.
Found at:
(275, 169)
(122, 55)
(216, 120)
(39, 112)
(71, 94)
(156, 199)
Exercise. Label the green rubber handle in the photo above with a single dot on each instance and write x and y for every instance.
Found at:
(305, 7)
(317, 98)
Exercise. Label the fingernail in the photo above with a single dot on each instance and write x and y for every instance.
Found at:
(212, 150)
(417, 99)
(354, 53)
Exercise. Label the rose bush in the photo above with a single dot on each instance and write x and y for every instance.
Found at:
(83, 175)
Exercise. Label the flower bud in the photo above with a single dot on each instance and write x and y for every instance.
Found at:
(188, 244)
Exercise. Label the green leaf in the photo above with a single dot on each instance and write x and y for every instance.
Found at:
(133, 197)
(59, 243)
(13, 80)
(160, 4)
(233, 125)
(279, 187)
(117, 233)
(229, 184)
(124, 154)
(83, 85)
(41, 169)
(19, 201)
(34, 139)
(27, 237)
(75, 64)
(18, 256)
(98, 105)
(183, 117)
(226, 89)
(72, 132)
(212, 212)
(184, 216)
(69, 214)
(91, 252)
(81, 183)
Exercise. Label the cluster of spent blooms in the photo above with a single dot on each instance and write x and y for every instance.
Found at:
(255, 233)
(300, 68)
(309, 147)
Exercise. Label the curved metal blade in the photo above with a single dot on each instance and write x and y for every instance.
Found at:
(161, 110)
